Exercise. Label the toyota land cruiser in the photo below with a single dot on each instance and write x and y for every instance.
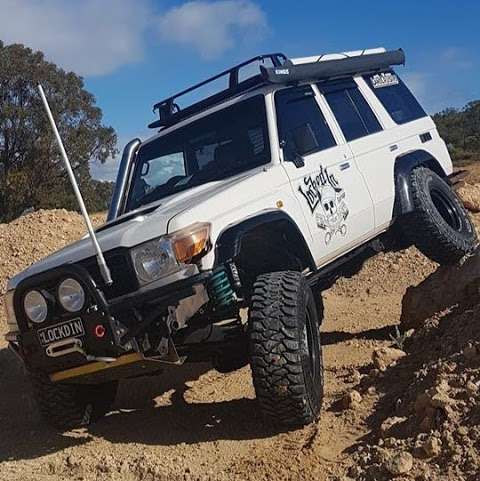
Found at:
(226, 225)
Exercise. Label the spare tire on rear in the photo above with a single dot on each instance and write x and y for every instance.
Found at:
(439, 225)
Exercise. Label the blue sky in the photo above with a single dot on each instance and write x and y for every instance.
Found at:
(135, 52)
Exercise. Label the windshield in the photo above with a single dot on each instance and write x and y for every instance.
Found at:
(220, 145)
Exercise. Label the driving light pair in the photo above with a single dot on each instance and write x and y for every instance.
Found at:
(71, 296)
(165, 255)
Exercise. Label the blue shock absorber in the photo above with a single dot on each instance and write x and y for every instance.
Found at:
(221, 290)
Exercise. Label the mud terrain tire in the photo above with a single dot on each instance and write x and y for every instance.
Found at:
(285, 349)
(69, 406)
(439, 226)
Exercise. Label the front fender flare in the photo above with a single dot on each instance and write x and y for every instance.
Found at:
(229, 242)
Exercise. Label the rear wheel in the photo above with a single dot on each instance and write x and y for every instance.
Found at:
(439, 226)
(68, 406)
(285, 349)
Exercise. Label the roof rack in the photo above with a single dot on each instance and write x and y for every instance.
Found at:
(170, 113)
(283, 71)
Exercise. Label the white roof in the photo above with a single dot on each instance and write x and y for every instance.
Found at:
(336, 56)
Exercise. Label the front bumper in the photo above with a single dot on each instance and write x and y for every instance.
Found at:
(124, 355)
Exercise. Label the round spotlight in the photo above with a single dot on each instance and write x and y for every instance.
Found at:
(35, 306)
(71, 295)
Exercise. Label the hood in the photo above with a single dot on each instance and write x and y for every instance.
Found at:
(131, 229)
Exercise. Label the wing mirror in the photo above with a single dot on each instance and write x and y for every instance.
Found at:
(301, 141)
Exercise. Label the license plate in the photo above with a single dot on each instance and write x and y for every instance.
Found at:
(63, 330)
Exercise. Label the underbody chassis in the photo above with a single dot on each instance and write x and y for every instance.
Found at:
(135, 334)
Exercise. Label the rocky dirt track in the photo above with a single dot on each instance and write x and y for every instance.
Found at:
(411, 413)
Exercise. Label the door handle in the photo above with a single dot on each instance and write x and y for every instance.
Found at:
(345, 165)
(393, 148)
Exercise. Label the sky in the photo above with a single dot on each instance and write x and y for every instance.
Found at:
(133, 53)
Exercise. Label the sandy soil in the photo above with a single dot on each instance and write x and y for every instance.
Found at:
(193, 423)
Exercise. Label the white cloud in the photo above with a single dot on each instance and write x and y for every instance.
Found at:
(212, 28)
(90, 37)
(93, 37)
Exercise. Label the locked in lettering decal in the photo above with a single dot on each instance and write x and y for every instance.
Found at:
(326, 200)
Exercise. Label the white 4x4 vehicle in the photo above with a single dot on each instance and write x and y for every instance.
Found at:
(252, 199)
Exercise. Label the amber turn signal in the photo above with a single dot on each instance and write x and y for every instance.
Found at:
(191, 242)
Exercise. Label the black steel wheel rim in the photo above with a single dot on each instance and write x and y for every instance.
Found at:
(446, 208)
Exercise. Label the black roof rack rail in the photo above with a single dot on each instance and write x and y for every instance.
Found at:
(327, 69)
(284, 71)
(170, 113)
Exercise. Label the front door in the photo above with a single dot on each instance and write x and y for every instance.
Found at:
(332, 192)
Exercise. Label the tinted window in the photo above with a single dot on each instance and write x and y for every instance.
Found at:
(301, 125)
(399, 102)
(354, 115)
(215, 147)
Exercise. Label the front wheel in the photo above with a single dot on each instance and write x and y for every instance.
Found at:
(439, 226)
(285, 349)
(68, 406)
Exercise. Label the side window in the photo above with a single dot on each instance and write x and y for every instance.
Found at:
(353, 114)
(302, 127)
(395, 96)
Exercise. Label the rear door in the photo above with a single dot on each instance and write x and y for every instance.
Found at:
(368, 141)
(330, 189)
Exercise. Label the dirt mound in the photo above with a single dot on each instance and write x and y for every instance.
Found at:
(35, 235)
(470, 195)
(429, 402)
(447, 288)
(32, 237)
(385, 274)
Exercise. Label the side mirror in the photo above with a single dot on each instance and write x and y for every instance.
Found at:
(301, 142)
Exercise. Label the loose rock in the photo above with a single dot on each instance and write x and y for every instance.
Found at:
(432, 447)
(386, 356)
(351, 400)
(390, 423)
(399, 463)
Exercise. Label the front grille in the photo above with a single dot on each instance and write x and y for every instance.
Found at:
(121, 269)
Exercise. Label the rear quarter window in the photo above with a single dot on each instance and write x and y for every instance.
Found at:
(395, 96)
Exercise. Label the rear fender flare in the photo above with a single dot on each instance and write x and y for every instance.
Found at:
(404, 164)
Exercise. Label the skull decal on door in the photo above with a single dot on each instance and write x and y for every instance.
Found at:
(326, 200)
(331, 217)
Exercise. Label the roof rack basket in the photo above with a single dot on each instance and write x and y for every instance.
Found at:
(169, 112)
(282, 71)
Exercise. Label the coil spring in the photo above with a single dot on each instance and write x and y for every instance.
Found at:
(220, 289)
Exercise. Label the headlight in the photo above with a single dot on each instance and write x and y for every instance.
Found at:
(10, 311)
(71, 295)
(153, 260)
(35, 306)
(163, 256)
